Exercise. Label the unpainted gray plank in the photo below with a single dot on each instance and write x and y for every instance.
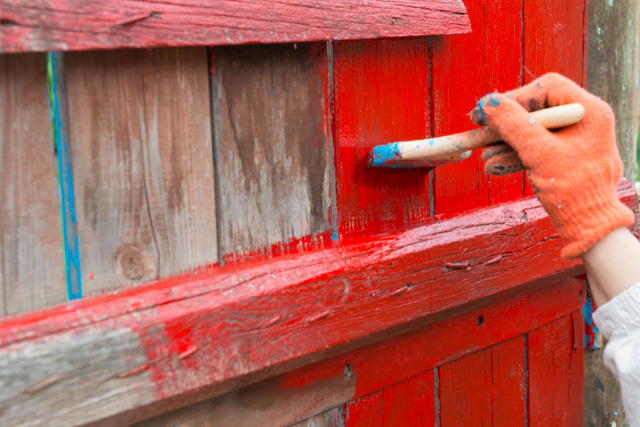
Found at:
(613, 70)
(140, 136)
(273, 163)
(31, 254)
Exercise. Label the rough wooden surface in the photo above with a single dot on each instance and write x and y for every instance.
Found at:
(391, 382)
(140, 136)
(331, 418)
(273, 163)
(94, 24)
(32, 262)
(305, 304)
(602, 397)
(614, 69)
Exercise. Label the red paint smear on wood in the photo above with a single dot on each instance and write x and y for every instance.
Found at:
(39, 25)
(381, 96)
(365, 412)
(410, 402)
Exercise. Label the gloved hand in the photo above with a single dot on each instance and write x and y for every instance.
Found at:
(573, 171)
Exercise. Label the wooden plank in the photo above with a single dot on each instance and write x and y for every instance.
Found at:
(368, 411)
(614, 70)
(485, 388)
(93, 24)
(381, 96)
(503, 57)
(553, 41)
(508, 375)
(31, 255)
(333, 381)
(466, 391)
(459, 79)
(273, 163)
(410, 402)
(140, 136)
(164, 370)
(330, 418)
(549, 367)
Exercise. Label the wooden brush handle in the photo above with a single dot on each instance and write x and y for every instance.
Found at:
(428, 149)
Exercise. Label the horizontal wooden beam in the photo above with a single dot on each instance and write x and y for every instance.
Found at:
(61, 25)
(161, 346)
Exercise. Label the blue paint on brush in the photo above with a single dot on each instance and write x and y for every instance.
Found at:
(431, 141)
(65, 181)
(591, 340)
(490, 100)
(383, 154)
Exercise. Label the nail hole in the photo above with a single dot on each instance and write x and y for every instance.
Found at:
(7, 22)
(480, 320)
(348, 370)
(408, 285)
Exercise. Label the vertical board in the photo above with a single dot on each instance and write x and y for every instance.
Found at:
(273, 164)
(465, 391)
(367, 411)
(31, 254)
(503, 56)
(553, 40)
(381, 95)
(141, 155)
(410, 402)
(459, 79)
(486, 388)
(549, 359)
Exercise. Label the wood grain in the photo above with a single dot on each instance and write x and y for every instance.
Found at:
(410, 402)
(554, 37)
(140, 136)
(459, 79)
(93, 24)
(273, 162)
(374, 367)
(614, 70)
(381, 96)
(31, 254)
(330, 418)
(368, 411)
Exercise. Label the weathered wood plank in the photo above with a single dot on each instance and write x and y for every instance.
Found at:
(273, 163)
(410, 402)
(368, 411)
(352, 375)
(141, 154)
(209, 334)
(613, 71)
(29, 25)
(31, 256)
(330, 418)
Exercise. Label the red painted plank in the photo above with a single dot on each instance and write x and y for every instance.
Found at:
(553, 41)
(551, 367)
(576, 370)
(365, 412)
(508, 373)
(503, 56)
(41, 25)
(410, 402)
(466, 391)
(459, 79)
(485, 388)
(265, 317)
(381, 96)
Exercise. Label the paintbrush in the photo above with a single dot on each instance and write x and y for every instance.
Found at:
(433, 152)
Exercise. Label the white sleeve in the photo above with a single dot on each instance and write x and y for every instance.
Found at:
(619, 321)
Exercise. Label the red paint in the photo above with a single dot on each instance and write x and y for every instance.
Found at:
(552, 397)
(41, 25)
(365, 412)
(554, 32)
(381, 94)
(410, 402)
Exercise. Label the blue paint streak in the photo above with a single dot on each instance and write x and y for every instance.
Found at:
(490, 100)
(587, 310)
(67, 200)
(385, 153)
(431, 141)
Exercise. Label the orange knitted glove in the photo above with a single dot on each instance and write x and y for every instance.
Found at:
(574, 171)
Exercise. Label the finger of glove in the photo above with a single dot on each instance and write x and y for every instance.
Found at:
(547, 91)
(493, 149)
(512, 122)
(504, 163)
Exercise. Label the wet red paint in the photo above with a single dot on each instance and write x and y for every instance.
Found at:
(381, 91)
(410, 402)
